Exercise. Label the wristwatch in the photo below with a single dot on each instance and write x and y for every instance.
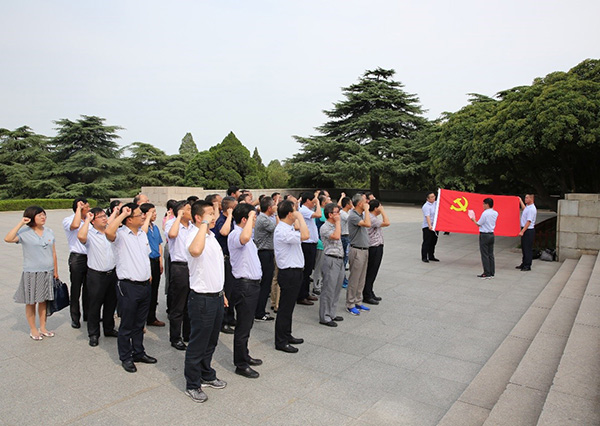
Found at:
(204, 221)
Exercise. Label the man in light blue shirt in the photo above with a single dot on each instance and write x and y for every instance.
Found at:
(310, 208)
(487, 224)
(429, 235)
(247, 271)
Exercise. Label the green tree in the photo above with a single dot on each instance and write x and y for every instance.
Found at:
(277, 177)
(88, 158)
(227, 163)
(188, 147)
(26, 166)
(370, 135)
(147, 166)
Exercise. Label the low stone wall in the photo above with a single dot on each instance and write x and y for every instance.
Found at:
(578, 226)
(159, 195)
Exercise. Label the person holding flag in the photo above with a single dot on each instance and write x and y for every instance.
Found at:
(486, 224)
(430, 236)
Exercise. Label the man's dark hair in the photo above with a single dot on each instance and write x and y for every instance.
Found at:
(260, 197)
(171, 204)
(132, 206)
(136, 199)
(31, 212)
(275, 194)
(368, 194)
(284, 209)
(181, 204)
(307, 196)
(111, 206)
(242, 198)
(322, 199)
(227, 202)
(78, 199)
(329, 209)
(198, 208)
(265, 203)
(192, 199)
(346, 201)
(211, 198)
(232, 190)
(241, 211)
(95, 212)
(373, 204)
(429, 193)
(489, 202)
(146, 207)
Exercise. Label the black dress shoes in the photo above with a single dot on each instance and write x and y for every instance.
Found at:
(329, 323)
(129, 366)
(338, 318)
(519, 267)
(93, 340)
(526, 268)
(376, 297)
(305, 302)
(179, 345)
(425, 260)
(434, 259)
(111, 333)
(287, 348)
(75, 324)
(254, 361)
(371, 301)
(227, 329)
(146, 359)
(295, 341)
(247, 372)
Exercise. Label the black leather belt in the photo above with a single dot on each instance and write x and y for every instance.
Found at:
(487, 233)
(78, 254)
(137, 282)
(218, 294)
(179, 263)
(112, 271)
(337, 257)
(359, 248)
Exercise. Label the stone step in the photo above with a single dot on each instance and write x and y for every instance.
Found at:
(522, 401)
(574, 398)
(478, 399)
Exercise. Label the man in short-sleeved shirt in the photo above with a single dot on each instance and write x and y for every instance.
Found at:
(263, 237)
(309, 209)
(527, 234)
(429, 235)
(358, 222)
(133, 288)
(487, 224)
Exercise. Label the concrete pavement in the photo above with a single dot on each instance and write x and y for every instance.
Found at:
(405, 362)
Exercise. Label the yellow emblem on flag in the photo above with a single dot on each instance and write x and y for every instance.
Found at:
(459, 206)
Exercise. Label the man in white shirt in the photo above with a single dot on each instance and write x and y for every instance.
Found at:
(527, 234)
(287, 240)
(205, 303)
(77, 260)
(177, 230)
(132, 249)
(429, 235)
(487, 224)
(101, 275)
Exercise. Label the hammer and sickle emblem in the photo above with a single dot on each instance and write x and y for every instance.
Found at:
(461, 207)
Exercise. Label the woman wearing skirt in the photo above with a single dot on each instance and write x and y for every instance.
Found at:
(39, 267)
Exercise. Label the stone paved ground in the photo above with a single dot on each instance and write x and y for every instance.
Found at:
(405, 362)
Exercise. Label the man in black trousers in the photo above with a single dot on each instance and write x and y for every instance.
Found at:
(133, 288)
(287, 240)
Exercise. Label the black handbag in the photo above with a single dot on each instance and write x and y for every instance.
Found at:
(61, 297)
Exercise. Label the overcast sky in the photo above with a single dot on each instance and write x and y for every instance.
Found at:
(266, 69)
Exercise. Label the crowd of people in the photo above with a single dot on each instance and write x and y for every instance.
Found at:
(223, 259)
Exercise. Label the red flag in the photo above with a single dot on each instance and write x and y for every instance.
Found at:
(453, 206)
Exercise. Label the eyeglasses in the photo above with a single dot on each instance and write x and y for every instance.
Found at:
(137, 215)
(100, 216)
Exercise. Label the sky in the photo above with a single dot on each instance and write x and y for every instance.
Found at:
(266, 70)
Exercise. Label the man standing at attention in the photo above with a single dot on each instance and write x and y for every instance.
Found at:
(133, 288)
(246, 269)
(487, 224)
(527, 233)
(429, 235)
(263, 237)
(309, 209)
(287, 242)
(177, 230)
(205, 303)
(359, 253)
(375, 249)
(156, 259)
(77, 260)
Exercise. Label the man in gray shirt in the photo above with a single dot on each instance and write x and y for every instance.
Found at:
(359, 253)
(332, 267)
(263, 238)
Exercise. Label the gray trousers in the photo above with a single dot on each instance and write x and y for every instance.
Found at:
(358, 272)
(486, 247)
(333, 277)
